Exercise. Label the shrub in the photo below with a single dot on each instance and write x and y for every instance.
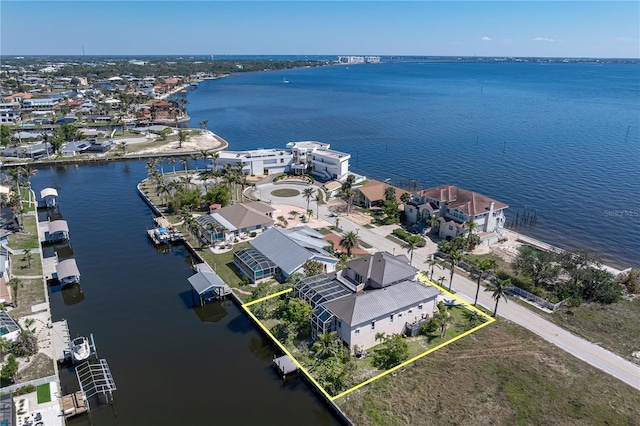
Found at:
(252, 234)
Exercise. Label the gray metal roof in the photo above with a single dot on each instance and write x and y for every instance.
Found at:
(58, 226)
(287, 250)
(361, 308)
(382, 269)
(67, 268)
(205, 281)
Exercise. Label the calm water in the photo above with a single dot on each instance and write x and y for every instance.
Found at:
(559, 139)
(173, 365)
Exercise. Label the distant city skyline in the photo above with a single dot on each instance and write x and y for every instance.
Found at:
(599, 29)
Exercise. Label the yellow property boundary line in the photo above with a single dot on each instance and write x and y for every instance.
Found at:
(490, 320)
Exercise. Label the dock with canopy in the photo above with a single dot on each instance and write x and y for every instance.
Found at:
(207, 284)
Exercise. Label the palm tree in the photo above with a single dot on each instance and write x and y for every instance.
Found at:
(205, 154)
(337, 222)
(28, 256)
(432, 262)
(15, 284)
(380, 336)
(454, 257)
(445, 320)
(307, 194)
(471, 226)
(294, 214)
(499, 289)
(182, 136)
(309, 214)
(122, 145)
(172, 161)
(410, 245)
(195, 157)
(441, 281)
(215, 157)
(349, 241)
(433, 221)
(318, 201)
(184, 160)
(205, 123)
(481, 266)
(325, 345)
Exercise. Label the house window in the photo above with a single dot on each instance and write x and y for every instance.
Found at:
(373, 325)
(420, 306)
(357, 331)
(391, 318)
(339, 324)
(450, 228)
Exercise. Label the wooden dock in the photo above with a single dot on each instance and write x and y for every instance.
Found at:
(285, 366)
(73, 404)
(61, 341)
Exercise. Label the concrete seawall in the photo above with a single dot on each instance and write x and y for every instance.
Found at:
(335, 409)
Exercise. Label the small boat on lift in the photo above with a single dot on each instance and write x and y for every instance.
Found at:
(80, 349)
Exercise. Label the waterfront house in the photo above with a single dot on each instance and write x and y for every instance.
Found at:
(371, 295)
(5, 266)
(373, 192)
(71, 149)
(299, 157)
(456, 206)
(164, 110)
(9, 112)
(230, 222)
(279, 253)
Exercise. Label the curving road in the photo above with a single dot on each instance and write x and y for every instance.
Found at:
(465, 288)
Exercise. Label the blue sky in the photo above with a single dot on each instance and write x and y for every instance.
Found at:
(498, 28)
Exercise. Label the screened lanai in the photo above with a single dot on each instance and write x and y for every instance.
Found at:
(254, 264)
(320, 289)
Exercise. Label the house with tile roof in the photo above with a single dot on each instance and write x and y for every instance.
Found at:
(371, 295)
(279, 253)
(373, 191)
(232, 221)
(455, 207)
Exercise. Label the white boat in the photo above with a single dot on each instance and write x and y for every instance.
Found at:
(80, 349)
(284, 80)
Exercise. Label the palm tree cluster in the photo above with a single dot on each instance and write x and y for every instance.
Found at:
(333, 364)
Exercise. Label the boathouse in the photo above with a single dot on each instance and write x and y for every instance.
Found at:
(50, 197)
(68, 272)
(58, 231)
(207, 284)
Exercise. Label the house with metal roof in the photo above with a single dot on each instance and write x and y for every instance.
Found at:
(372, 295)
(280, 253)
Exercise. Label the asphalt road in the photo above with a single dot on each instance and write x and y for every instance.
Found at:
(466, 289)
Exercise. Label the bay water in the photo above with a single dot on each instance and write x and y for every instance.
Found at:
(561, 140)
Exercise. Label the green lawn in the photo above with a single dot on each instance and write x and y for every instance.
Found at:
(285, 192)
(28, 238)
(44, 393)
(20, 264)
(223, 264)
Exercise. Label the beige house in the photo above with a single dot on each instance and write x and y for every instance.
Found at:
(373, 191)
(455, 207)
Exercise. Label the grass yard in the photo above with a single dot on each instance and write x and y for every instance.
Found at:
(28, 238)
(499, 375)
(44, 393)
(31, 293)
(285, 192)
(20, 264)
(614, 327)
(223, 264)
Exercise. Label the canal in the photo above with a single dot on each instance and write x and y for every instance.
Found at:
(172, 364)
